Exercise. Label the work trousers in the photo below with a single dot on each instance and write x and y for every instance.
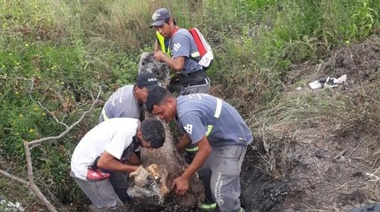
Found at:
(106, 195)
(221, 176)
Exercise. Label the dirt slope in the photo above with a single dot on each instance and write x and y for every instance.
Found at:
(326, 164)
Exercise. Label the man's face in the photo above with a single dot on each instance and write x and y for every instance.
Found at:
(165, 111)
(143, 142)
(165, 29)
(142, 94)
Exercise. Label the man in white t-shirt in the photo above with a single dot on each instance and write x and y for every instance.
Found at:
(105, 152)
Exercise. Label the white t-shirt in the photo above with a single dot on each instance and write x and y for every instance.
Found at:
(113, 136)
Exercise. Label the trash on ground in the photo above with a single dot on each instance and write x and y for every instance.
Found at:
(10, 206)
(328, 82)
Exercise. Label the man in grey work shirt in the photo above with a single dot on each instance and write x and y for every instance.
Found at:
(221, 135)
(191, 75)
(182, 45)
(128, 100)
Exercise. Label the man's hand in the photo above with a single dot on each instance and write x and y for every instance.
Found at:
(109, 162)
(181, 184)
(175, 63)
(159, 56)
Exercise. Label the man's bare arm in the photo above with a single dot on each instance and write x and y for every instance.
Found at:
(176, 63)
(203, 152)
(183, 142)
(109, 162)
(134, 160)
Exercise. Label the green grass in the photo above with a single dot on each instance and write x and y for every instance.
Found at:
(69, 48)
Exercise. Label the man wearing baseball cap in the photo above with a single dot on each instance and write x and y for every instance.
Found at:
(190, 73)
(128, 100)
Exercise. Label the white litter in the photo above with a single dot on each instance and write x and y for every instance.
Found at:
(10, 206)
(328, 82)
(315, 85)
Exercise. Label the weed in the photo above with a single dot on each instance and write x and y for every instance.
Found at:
(64, 49)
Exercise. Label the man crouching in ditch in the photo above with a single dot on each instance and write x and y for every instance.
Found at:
(222, 137)
(106, 153)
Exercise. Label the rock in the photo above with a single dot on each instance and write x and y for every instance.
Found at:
(320, 153)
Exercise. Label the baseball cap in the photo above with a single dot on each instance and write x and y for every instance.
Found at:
(159, 16)
(147, 79)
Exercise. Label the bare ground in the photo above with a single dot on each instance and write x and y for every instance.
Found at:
(324, 163)
(330, 163)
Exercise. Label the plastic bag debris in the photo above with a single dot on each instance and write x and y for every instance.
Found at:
(328, 82)
(10, 206)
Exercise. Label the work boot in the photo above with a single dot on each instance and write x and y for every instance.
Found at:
(207, 208)
(204, 210)
(214, 210)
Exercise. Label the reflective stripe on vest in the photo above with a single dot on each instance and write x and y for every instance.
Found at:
(105, 117)
(161, 42)
(217, 113)
(195, 55)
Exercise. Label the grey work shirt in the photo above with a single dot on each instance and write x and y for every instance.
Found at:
(203, 114)
(122, 103)
(182, 44)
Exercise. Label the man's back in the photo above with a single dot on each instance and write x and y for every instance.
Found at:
(113, 136)
(182, 44)
(203, 114)
(122, 103)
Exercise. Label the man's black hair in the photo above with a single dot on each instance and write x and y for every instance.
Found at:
(174, 22)
(153, 132)
(155, 97)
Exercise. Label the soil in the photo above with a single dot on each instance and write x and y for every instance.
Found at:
(322, 170)
(325, 171)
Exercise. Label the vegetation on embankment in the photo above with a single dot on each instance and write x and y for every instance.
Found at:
(59, 51)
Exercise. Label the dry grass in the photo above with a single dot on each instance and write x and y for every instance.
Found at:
(344, 122)
(122, 24)
(126, 24)
(328, 111)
